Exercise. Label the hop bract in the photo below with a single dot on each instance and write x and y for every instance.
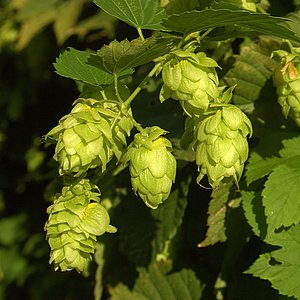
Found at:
(190, 78)
(286, 78)
(75, 220)
(221, 144)
(152, 166)
(89, 136)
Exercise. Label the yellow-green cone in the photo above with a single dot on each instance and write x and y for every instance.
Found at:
(152, 166)
(221, 144)
(286, 78)
(89, 135)
(190, 78)
(76, 218)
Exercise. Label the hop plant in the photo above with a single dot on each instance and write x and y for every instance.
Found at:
(286, 78)
(76, 218)
(190, 78)
(152, 166)
(221, 144)
(89, 135)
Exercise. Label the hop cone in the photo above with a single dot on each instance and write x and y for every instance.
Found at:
(88, 136)
(152, 166)
(122, 124)
(221, 144)
(75, 220)
(190, 78)
(286, 78)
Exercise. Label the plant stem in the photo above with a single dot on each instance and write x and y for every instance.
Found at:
(260, 9)
(116, 87)
(141, 34)
(205, 33)
(103, 95)
(141, 85)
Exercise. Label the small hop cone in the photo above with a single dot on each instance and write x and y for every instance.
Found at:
(221, 144)
(190, 78)
(75, 220)
(152, 166)
(88, 136)
(286, 78)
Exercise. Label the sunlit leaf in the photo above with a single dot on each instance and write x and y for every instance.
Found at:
(238, 20)
(118, 56)
(281, 267)
(144, 14)
(72, 64)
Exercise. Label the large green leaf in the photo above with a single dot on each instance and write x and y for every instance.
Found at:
(72, 64)
(259, 167)
(237, 20)
(281, 195)
(118, 56)
(250, 71)
(254, 212)
(154, 285)
(281, 267)
(170, 216)
(144, 14)
(265, 156)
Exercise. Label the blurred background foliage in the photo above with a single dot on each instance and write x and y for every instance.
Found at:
(32, 99)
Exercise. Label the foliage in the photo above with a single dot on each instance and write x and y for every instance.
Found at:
(183, 134)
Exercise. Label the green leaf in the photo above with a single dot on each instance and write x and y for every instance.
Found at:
(281, 195)
(154, 285)
(294, 26)
(170, 216)
(118, 56)
(33, 25)
(259, 167)
(67, 17)
(291, 147)
(254, 212)
(241, 20)
(262, 160)
(216, 216)
(179, 6)
(122, 292)
(281, 267)
(72, 64)
(250, 72)
(144, 14)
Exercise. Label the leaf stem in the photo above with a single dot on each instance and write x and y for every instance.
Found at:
(103, 94)
(260, 9)
(205, 33)
(141, 85)
(139, 30)
(116, 87)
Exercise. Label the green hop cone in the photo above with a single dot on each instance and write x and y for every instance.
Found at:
(190, 78)
(221, 144)
(286, 78)
(152, 166)
(89, 135)
(122, 123)
(75, 220)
